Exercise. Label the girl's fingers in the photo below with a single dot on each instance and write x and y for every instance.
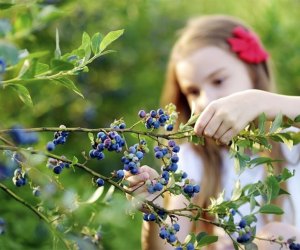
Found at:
(212, 126)
(134, 180)
(203, 120)
(225, 139)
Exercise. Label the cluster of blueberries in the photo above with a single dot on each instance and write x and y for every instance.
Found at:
(60, 137)
(22, 137)
(133, 156)
(110, 141)
(56, 165)
(244, 235)
(190, 189)
(19, 178)
(156, 118)
(169, 233)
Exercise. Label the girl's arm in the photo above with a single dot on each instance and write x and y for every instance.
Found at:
(224, 118)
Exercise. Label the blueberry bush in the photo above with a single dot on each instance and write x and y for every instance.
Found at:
(70, 181)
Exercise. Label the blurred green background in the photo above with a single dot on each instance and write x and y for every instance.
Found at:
(117, 85)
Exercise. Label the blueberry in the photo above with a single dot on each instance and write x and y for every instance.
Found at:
(164, 234)
(120, 174)
(139, 154)
(190, 246)
(158, 186)
(57, 169)
(188, 189)
(151, 217)
(175, 158)
(100, 182)
(176, 227)
(50, 146)
(176, 149)
(196, 189)
(169, 127)
(159, 154)
(172, 238)
(122, 126)
(242, 223)
(172, 143)
(142, 113)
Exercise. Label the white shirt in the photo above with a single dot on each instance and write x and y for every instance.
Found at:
(191, 163)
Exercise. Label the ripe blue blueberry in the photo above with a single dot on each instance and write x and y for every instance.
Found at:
(122, 125)
(57, 169)
(172, 238)
(120, 174)
(242, 223)
(164, 234)
(176, 227)
(190, 246)
(100, 182)
(158, 186)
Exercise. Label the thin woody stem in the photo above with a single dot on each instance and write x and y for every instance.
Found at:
(34, 210)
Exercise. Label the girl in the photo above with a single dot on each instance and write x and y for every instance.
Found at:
(219, 67)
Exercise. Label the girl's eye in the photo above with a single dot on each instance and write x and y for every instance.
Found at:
(193, 92)
(218, 81)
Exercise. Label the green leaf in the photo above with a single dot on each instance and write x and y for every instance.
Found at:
(6, 5)
(282, 191)
(261, 123)
(95, 43)
(30, 70)
(250, 218)
(262, 160)
(109, 38)
(272, 187)
(270, 209)
(74, 160)
(286, 174)
(109, 194)
(95, 196)
(23, 93)
(58, 65)
(237, 192)
(91, 137)
(196, 140)
(41, 68)
(252, 202)
(57, 52)
(297, 119)
(69, 84)
(206, 240)
(286, 139)
(295, 137)
(86, 45)
(276, 123)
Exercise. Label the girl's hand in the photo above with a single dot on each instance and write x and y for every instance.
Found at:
(224, 118)
(137, 184)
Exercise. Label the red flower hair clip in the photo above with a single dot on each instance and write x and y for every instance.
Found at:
(247, 46)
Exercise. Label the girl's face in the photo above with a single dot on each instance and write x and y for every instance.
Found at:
(209, 74)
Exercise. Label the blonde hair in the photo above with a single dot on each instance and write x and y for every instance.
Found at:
(211, 30)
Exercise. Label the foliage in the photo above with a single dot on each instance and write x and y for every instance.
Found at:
(115, 85)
